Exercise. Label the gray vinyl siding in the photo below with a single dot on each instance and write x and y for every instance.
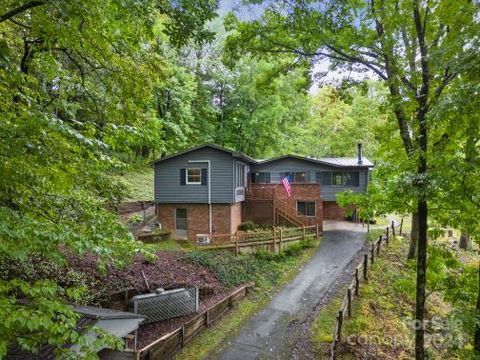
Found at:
(296, 165)
(167, 178)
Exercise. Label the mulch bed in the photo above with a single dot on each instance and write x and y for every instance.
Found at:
(168, 271)
(150, 332)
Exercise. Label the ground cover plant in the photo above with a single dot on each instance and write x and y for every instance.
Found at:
(382, 325)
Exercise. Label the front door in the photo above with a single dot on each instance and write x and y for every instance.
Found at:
(181, 223)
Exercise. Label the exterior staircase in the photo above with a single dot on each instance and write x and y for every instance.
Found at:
(288, 213)
(283, 210)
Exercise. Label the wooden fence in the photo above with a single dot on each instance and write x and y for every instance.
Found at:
(273, 240)
(166, 346)
(353, 289)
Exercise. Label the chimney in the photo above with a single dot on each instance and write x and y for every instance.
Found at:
(359, 152)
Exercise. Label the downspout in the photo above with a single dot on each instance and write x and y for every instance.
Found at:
(209, 193)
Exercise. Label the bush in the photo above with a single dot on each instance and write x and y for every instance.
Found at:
(247, 226)
(296, 249)
(232, 270)
(135, 219)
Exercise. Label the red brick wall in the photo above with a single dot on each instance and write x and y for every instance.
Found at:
(332, 211)
(236, 216)
(197, 218)
(260, 211)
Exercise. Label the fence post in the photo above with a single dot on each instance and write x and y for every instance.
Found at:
(357, 282)
(303, 232)
(386, 240)
(349, 302)
(274, 239)
(401, 225)
(393, 228)
(387, 232)
(340, 323)
(365, 266)
(372, 259)
(183, 336)
(379, 242)
(317, 231)
(207, 318)
(281, 239)
(236, 245)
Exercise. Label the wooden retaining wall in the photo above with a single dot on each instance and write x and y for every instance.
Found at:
(274, 240)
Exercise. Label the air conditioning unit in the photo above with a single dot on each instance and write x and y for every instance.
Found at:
(203, 239)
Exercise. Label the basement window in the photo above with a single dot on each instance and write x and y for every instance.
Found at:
(306, 208)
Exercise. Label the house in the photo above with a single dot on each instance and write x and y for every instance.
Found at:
(209, 189)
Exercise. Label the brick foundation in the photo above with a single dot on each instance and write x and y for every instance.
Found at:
(332, 211)
(235, 216)
(225, 218)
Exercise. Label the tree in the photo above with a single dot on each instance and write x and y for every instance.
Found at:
(76, 84)
(415, 47)
(341, 118)
(264, 108)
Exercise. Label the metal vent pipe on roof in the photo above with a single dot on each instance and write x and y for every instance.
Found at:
(359, 152)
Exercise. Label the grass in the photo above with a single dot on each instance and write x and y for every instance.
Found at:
(324, 324)
(263, 268)
(138, 182)
(381, 326)
(286, 267)
(170, 245)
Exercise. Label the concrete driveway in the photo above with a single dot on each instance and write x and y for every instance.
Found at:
(272, 333)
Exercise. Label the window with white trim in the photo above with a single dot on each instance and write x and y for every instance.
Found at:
(194, 176)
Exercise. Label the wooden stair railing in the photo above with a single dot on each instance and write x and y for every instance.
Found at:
(289, 213)
(282, 208)
(288, 218)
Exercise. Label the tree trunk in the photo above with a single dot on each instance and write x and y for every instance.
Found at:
(421, 279)
(463, 244)
(413, 237)
(476, 340)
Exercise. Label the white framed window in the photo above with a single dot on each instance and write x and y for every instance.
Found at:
(194, 176)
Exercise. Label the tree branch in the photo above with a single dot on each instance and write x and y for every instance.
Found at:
(20, 9)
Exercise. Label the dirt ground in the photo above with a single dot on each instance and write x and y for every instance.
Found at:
(168, 271)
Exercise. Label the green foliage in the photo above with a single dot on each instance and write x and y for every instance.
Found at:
(262, 267)
(324, 323)
(77, 82)
(171, 245)
(337, 125)
(247, 226)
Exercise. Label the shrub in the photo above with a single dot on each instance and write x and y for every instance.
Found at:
(247, 226)
(135, 219)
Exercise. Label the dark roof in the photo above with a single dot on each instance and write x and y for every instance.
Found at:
(335, 162)
(90, 315)
(93, 312)
(213, 146)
